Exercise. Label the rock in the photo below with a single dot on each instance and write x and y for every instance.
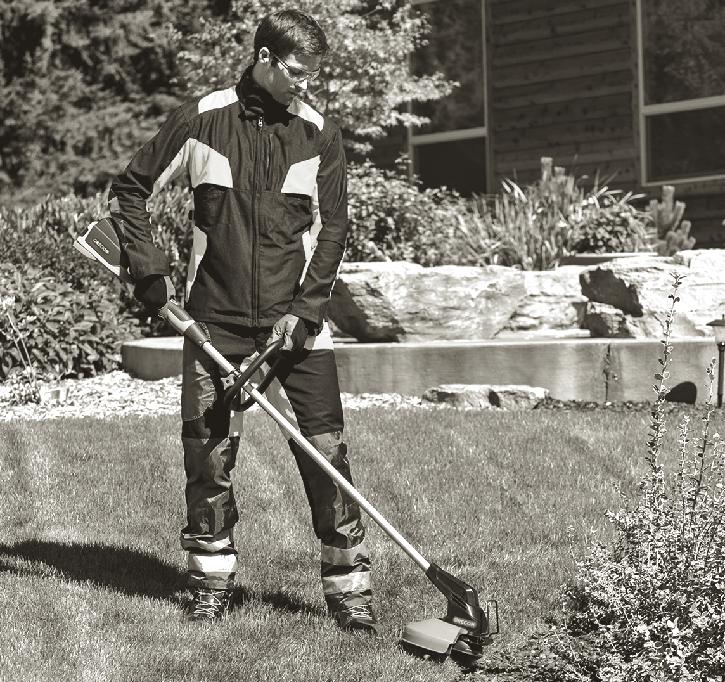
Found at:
(487, 396)
(640, 288)
(606, 322)
(406, 302)
(553, 304)
(701, 259)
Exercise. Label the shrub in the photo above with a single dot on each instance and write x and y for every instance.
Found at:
(524, 227)
(608, 221)
(57, 330)
(393, 218)
(652, 605)
(534, 226)
(42, 236)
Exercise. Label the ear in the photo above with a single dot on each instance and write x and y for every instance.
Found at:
(264, 55)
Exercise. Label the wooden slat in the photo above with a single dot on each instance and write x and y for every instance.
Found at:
(547, 95)
(556, 70)
(594, 159)
(512, 11)
(563, 25)
(575, 130)
(587, 42)
(568, 152)
(584, 110)
(714, 189)
(625, 178)
(580, 108)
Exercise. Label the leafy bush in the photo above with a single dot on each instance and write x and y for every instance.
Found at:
(392, 218)
(608, 221)
(652, 605)
(42, 236)
(56, 330)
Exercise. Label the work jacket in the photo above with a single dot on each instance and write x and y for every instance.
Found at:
(270, 205)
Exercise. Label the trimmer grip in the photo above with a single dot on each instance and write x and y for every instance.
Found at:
(183, 323)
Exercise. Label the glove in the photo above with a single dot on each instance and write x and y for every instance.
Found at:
(293, 330)
(154, 291)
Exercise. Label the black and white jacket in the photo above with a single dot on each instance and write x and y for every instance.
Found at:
(270, 205)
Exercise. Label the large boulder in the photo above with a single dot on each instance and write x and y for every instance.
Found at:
(640, 288)
(398, 301)
(553, 306)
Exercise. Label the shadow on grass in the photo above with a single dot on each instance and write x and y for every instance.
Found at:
(125, 570)
(282, 601)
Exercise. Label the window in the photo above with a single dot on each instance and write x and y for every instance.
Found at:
(681, 90)
(451, 150)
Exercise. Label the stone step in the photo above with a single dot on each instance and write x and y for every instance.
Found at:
(571, 369)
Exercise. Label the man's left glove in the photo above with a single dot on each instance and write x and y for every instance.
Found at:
(154, 291)
(294, 330)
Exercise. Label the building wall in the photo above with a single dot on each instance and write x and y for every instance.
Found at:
(561, 84)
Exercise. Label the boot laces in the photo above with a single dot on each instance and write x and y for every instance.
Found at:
(359, 611)
(210, 603)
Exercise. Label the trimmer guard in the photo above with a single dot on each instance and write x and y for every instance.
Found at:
(433, 635)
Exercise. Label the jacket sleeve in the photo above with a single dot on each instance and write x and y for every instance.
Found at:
(154, 165)
(314, 294)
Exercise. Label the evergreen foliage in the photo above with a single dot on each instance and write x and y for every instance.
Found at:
(84, 84)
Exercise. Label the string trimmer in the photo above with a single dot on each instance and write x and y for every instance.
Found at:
(466, 627)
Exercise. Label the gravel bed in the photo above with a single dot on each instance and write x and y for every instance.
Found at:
(117, 394)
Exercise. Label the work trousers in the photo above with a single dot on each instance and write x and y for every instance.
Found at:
(307, 392)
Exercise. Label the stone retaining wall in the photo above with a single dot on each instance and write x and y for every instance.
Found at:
(623, 298)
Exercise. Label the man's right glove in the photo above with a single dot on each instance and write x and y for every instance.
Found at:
(293, 330)
(154, 292)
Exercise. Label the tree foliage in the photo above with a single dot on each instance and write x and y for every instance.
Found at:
(366, 80)
(82, 84)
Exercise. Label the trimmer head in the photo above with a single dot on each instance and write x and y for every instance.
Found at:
(464, 630)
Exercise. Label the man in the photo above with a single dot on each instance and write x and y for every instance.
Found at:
(270, 222)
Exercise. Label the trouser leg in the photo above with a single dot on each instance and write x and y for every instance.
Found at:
(345, 562)
(312, 388)
(210, 437)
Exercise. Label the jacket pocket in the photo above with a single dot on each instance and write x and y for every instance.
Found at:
(208, 205)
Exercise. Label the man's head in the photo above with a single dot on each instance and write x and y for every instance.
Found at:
(288, 49)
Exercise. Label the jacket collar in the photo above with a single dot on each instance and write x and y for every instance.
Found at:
(255, 101)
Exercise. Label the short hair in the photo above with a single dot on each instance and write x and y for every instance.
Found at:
(290, 31)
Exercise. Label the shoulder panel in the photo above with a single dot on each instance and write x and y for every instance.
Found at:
(217, 100)
(305, 111)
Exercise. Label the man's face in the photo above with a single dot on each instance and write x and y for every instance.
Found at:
(285, 77)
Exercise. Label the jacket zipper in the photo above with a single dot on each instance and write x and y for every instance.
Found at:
(267, 161)
(255, 235)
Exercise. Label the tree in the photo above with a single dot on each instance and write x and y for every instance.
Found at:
(84, 83)
(366, 81)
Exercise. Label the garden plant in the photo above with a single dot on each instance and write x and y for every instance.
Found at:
(649, 604)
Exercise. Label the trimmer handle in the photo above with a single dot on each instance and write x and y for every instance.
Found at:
(185, 325)
(242, 379)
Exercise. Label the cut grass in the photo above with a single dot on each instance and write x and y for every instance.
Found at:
(93, 578)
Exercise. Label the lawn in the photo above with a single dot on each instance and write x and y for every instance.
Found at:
(93, 579)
